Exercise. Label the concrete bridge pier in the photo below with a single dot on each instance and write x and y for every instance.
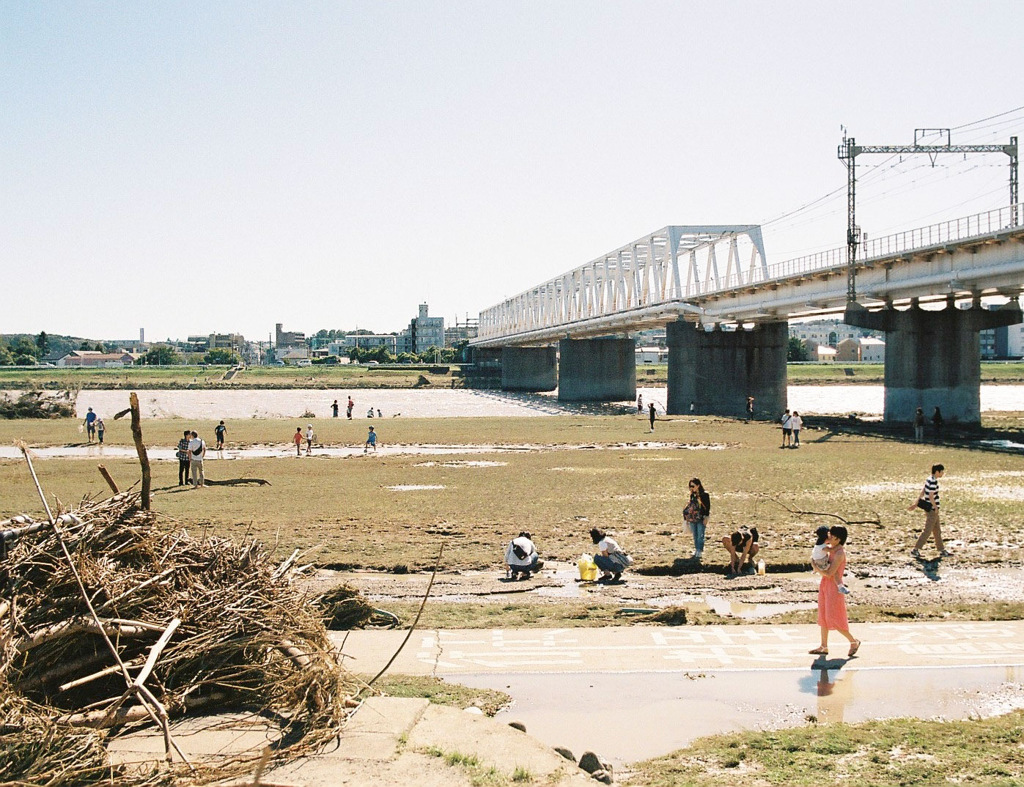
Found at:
(717, 370)
(529, 369)
(597, 370)
(933, 358)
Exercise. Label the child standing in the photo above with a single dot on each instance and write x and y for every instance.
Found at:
(371, 440)
(100, 429)
(820, 556)
(297, 439)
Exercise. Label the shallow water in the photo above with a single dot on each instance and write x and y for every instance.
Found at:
(599, 711)
(461, 402)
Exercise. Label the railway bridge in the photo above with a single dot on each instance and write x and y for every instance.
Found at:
(726, 313)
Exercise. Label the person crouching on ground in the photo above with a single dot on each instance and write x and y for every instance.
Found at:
(742, 546)
(521, 557)
(609, 558)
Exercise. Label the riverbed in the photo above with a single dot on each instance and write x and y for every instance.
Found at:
(463, 402)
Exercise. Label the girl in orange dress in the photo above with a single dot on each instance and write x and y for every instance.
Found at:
(832, 603)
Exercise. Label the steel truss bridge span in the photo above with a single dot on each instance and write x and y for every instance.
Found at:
(719, 274)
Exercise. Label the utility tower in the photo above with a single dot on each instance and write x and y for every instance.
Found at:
(848, 152)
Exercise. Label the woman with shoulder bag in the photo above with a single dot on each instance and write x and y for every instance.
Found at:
(696, 515)
(928, 501)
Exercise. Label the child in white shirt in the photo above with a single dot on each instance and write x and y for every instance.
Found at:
(819, 557)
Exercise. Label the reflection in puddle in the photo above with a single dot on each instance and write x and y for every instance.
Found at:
(571, 709)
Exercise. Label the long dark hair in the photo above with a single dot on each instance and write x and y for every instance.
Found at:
(700, 486)
(596, 535)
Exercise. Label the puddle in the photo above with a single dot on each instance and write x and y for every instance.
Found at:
(599, 710)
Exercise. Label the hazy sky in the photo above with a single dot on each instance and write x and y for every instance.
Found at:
(197, 167)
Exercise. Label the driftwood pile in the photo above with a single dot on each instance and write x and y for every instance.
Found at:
(110, 620)
(37, 404)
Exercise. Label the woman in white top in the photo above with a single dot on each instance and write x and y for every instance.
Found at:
(609, 558)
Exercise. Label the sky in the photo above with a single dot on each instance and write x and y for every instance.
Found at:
(193, 167)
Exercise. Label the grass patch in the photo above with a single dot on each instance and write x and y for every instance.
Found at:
(441, 692)
(896, 751)
(482, 615)
(590, 472)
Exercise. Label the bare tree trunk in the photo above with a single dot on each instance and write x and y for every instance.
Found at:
(141, 448)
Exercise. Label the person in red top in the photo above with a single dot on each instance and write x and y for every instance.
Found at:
(297, 439)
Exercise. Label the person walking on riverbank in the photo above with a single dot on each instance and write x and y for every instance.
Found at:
(310, 437)
(371, 441)
(750, 408)
(696, 515)
(297, 439)
(796, 423)
(182, 455)
(348, 408)
(652, 414)
(928, 501)
(639, 404)
(90, 425)
(832, 603)
(100, 429)
(334, 409)
(220, 431)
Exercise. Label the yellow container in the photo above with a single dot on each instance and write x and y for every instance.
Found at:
(588, 570)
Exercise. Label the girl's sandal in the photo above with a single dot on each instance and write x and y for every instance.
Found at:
(853, 649)
(819, 652)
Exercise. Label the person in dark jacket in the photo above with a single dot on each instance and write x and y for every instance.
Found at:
(696, 515)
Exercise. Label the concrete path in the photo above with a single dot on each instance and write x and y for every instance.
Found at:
(451, 653)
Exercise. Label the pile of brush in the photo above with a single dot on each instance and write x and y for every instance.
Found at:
(108, 620)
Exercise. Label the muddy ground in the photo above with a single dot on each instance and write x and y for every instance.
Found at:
(903, 585)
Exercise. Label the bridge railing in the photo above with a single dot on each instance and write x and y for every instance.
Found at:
(952, 231)
(528, 307)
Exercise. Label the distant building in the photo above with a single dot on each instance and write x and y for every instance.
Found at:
(423, 333)
(284, 338)
(461, 331)
(824, 353)
(364, 341)
(866, 349)
(95, 359)
(651, 355)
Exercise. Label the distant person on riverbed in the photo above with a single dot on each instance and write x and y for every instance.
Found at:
(334, 409)
(297, 439)
(919, 425)
(196, 455)
(183, 458)
(796, 424)
(310, 437)
(219, 432)
(937, 422)
(651, 408)
(100, 429)
(348, 408)
(371, 440)
(90, 425)
(640, 404)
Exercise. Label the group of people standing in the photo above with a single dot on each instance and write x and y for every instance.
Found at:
(348, 408)
(94, 426)
(792, 423)
(191, 453)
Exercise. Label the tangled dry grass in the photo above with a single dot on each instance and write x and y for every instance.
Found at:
(109, 621)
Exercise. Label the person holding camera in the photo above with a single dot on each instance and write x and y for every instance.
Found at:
(928, 501)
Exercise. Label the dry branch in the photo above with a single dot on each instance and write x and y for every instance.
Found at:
(876, 521)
